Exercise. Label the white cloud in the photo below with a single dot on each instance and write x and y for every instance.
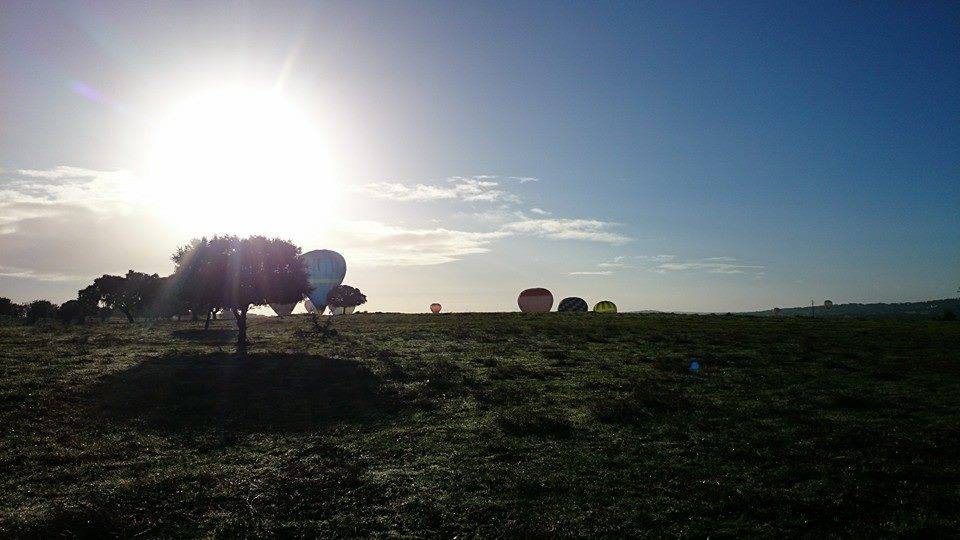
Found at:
(711, 265)
(30, 193)
(655, 258)
(568, 229)
(592, 273)
(465, 188)
(374, 243)
(23, 273)
(616, 262)
(539, 211)
(524, 179)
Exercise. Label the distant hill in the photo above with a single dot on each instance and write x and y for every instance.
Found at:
(931, 309)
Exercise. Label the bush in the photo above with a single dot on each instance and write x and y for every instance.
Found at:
(10, 310)
(40, 309)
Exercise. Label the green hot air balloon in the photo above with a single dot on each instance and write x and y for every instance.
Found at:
(325, 270)
(573, 304)
(605, 306)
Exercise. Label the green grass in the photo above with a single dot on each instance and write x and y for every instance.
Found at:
(483, 424)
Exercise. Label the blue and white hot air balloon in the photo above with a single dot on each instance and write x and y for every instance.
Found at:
(325, 270)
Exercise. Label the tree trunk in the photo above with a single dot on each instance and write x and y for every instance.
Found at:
(241, 316)
(206, 324)
(127, 313)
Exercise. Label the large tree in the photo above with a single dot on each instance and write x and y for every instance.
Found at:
(198, 278)
(237, 273)
(132, 294)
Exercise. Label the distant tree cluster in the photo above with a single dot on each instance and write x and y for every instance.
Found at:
(222, 273)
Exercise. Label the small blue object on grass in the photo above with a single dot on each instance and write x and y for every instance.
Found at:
(694, 366)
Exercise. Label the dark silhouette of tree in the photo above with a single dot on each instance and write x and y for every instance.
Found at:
(89, 300)
(40, 309)
(10, 310)
(345, 296)
(233, 273)
(261, 270)
(198, 278)
(71, 310)
(132, 294)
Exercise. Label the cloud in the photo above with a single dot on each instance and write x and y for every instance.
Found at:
(23, 273)
(617, 262)
(568, 229)
(374, 243)
(592, 273)
(464, 188)
(31, 193)
(711, 265)
(524, 179)
(655, 258)
(539, 212)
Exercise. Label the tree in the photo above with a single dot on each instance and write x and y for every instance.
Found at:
(89, 299)
(40, 309)
(197, 281)
(345, 296)
(69, 311)
(235, 274)
(10, 310)
(261, 270)
(132, 294)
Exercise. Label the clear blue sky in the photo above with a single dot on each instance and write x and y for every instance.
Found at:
(687, 156)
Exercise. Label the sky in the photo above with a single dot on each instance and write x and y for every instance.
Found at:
(720, 156)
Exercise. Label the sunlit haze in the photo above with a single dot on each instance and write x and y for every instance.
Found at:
(666, 156)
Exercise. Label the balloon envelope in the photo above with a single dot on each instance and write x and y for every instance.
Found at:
(828, 304)
(435, 307)
(282, 309)
(325, 270)
(573, 304)
(605, 306)
(535, 300)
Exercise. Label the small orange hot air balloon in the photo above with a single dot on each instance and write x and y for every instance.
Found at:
(435, 307)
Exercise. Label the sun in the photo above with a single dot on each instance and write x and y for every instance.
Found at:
(247, 159)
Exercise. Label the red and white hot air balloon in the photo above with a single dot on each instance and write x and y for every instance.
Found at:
(536, 300)
(435, 307)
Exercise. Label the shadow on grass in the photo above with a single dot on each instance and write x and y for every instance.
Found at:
(215, 335)
(265, 393)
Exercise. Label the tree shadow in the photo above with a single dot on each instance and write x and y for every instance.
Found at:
(260, 393)
(213, 335)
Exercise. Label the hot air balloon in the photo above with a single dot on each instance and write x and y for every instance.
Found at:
(282, 309)
(605, 306)
(535, 300)
(308, 305)
(435, 307)
(828, 304)
(325, 270)
(573, 304)
(776, 312)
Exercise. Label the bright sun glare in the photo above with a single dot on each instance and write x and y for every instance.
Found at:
(247, 158)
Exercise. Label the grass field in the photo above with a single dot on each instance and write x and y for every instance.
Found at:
(483, 424)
